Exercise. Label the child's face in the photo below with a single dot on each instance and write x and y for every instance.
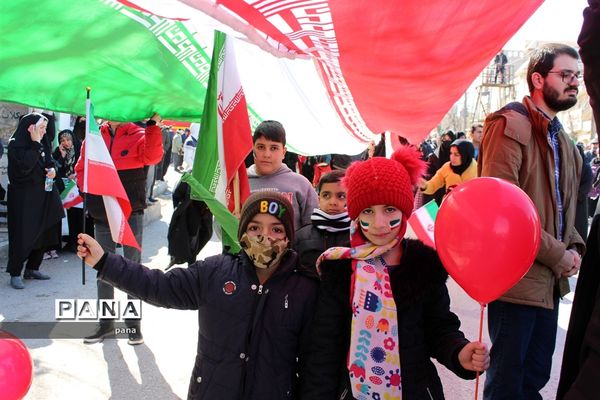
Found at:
(332, 198)
(268, 155)
(380, 224)
(266, 225)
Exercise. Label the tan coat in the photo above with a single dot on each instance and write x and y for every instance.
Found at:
(516, 148)
(445, 177)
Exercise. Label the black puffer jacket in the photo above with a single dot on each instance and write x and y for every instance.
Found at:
(310, 242)
(249, 335)
(426, 328)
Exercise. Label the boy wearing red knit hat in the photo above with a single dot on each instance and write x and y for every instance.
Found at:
(383, 309)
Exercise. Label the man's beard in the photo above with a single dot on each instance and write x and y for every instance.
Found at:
(551, 98)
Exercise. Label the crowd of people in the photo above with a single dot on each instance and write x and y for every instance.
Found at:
(378, 303)
(327, 299)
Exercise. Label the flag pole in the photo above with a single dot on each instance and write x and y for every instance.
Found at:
(87, 129)
(236, 194)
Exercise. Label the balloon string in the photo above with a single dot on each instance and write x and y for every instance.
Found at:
(480, 341)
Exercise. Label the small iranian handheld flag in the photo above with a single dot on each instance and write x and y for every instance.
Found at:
(225, 141)
(70, 196)
(421, 223)
(100, 177)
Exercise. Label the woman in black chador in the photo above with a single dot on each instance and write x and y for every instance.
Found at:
(33, 212)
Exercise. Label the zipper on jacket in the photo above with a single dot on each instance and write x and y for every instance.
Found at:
(256, 313)
(344, 393)
(429, 392)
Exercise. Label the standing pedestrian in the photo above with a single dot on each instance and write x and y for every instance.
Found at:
(525, 144)
(131, 147)
(34, 205)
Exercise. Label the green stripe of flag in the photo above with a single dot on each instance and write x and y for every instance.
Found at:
(67, 189)
(228, 222)
(432, 209)
(135, 63)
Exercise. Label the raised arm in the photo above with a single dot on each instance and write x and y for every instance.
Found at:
(180, 288)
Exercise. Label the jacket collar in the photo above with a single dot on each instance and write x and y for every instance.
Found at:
(288, 264)
(420, 270)
(539, 120)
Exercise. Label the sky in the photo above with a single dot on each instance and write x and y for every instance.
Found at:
(555, 20)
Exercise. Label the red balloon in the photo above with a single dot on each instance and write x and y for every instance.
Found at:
(487, 234)
(15, 368)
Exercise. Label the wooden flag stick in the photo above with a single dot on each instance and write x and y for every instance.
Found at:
(236, 194)
(480, 341)
(87, 89)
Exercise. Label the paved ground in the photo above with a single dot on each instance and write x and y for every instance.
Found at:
(160, 369)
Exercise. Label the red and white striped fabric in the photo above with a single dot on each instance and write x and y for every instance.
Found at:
(386, 65)
(421, 224)
(100, 177)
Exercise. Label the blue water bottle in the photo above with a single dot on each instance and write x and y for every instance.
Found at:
(49, 181)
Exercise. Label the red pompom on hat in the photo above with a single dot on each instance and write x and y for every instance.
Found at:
(384, 181)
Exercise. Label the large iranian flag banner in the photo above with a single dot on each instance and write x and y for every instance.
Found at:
(100, 177)
(335, 73)
(224, 142)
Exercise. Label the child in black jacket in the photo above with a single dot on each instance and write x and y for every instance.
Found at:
(330, 225)
(254, 308)
(383, 308)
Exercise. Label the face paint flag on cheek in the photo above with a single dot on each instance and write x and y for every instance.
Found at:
(395, 223)
(364, 226)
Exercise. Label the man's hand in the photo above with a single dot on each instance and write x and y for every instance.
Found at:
(475, 356)
(576, 266)
(88, 249)
(568, 265)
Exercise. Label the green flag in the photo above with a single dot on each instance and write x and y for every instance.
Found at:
(224, 142)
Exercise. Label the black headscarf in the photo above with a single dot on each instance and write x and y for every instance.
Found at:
(426, 150)
(444, 151)
(71, 155)
(22, 137)
(78, 131)
(467, 152)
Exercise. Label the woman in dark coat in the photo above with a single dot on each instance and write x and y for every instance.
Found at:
(33, 213)
(254, 308)
(65, 156)
(383, 310)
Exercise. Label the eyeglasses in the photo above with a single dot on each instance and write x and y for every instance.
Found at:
(567, 76)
